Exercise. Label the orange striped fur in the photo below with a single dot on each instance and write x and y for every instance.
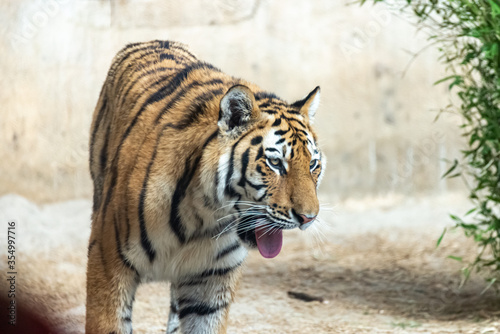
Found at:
(191, 167)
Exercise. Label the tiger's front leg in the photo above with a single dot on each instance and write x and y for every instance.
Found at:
(173, 325)
(110, 291)
(202, 302)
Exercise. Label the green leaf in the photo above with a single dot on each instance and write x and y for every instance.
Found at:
(470, 211)
(495, 8)
(468, 226)
(451, 169)
(440, 238)
(492, 281)
(456, 258)
(454, 76)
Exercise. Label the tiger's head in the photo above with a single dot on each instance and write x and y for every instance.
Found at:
(273, 167)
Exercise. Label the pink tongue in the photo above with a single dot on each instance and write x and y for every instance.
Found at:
(269, 243)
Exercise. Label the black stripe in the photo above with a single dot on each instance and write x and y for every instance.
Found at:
(192, 282)
(201, 278)
(272, 149)
(218, 271)
(124, 56)
(229, 189)
(148, 46)
(300, 103)
(104, 263)
(292, 119)
(197, 108)
(127, 319)
(127, 226)
(181, 77)
(100, 115)
(96, 199)
(277, 122)
(257, 140)
(216, 185)
(219, 230)
(98, 179)
(130, 64)
(164, 44)
(174, 330)
(229, 249)
(103, 156)
(200, 310)
(145, 241)
(173, 308)
(199, 220)
(159, 95)
(260, 153)
(180, 192)
(208, 202)
(144, 45)
(184, 301)
(109, 194)
(262, 197)
(280, 141)
(164, 56)
(153, 71)
(256, 186)
(260, 171)
(131, 45)
(91, 245)
(280, 132)
(244, 165)
(123, 258)
(156, 71)
(266, 95)
(269, 111)
(177, 46)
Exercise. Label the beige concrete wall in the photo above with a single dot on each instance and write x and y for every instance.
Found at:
(376, 125)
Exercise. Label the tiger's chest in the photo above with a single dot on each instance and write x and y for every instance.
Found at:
(198, 257)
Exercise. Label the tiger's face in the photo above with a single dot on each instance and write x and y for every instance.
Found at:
(275, 176)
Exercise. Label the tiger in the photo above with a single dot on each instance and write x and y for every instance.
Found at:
(191, 169)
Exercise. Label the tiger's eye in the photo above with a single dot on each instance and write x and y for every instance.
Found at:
(313, 164)
(274, 162)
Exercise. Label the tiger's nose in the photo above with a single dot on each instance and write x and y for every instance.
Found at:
(306, 219)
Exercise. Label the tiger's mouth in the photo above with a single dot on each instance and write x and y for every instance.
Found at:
(264, 235)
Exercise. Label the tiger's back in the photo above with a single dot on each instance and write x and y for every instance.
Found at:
(182, 157)
(142, 76)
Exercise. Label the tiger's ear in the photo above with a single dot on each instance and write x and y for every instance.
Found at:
(237, 108)
(309, 104)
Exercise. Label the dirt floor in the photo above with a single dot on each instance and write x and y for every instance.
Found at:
(373, 262)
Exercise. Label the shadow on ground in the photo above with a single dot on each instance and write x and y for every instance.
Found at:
(408, 280)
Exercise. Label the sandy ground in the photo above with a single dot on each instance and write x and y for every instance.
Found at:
(374, 263)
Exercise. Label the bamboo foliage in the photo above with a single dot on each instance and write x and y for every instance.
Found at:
(467, 34)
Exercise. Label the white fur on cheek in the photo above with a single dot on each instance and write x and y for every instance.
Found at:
(323, 167)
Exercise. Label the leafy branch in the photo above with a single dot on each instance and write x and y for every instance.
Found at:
(467, 33)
